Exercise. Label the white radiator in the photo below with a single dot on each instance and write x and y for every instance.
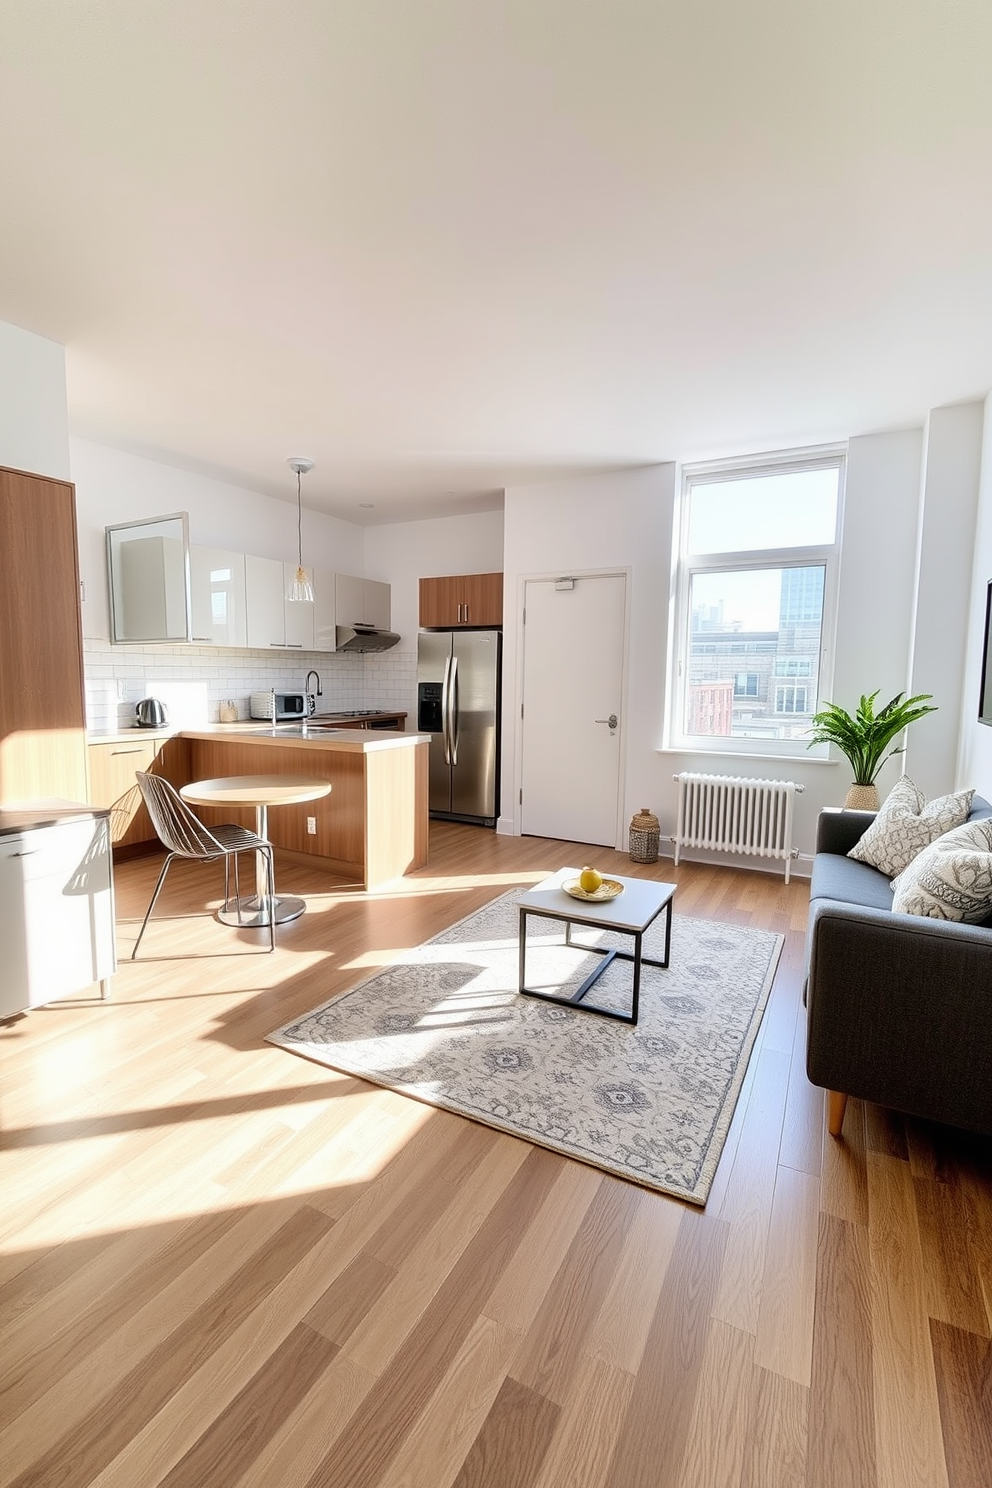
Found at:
(728, 813)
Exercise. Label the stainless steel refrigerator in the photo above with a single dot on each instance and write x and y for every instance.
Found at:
(458, 695)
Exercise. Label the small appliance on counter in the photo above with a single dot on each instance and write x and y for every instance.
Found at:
(279, 707)
(150, 713)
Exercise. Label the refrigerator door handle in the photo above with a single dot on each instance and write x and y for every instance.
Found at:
(453, 711)
(446, 709)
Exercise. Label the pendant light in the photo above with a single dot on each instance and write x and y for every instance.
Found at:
(301, 589)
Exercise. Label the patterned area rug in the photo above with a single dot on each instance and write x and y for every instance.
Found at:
(651, 1103)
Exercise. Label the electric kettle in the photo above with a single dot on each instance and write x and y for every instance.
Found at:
(150, 713)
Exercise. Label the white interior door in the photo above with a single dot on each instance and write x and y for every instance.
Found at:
(572, 728)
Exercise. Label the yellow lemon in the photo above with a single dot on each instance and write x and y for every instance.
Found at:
(590, 880)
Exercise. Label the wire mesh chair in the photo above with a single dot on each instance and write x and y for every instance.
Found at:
(184, 836)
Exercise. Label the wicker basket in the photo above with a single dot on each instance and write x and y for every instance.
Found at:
(862, 798)
(645, 836)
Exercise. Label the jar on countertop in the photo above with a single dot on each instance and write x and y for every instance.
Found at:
(645, 836)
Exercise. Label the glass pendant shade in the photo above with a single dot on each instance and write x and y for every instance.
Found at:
(300, 591)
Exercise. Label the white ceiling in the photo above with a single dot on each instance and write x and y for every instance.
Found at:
(442, 246)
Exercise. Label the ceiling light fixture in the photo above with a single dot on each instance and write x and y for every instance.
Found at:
(300, 590)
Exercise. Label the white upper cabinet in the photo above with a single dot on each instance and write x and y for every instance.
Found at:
(349, 600)
(273, 620)
(298, 614)
(324, 619)
(265, 602)
(361, 601)
(377, 604)
(217, 588)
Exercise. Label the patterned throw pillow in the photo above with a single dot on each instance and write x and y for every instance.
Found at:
(906, 823)
(951, 879)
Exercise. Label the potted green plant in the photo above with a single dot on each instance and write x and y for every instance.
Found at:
(864, 737)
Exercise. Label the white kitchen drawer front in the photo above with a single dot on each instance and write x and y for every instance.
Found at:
(56, 912)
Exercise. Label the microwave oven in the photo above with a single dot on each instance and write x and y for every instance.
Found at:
(278, 706)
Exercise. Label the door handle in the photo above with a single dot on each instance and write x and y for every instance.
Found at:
(445, 710)
(453, 711)
(612, 720)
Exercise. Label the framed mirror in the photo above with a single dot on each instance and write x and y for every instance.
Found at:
(985, 697)
(148, 574)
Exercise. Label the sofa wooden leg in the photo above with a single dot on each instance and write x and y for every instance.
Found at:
(836, 1106)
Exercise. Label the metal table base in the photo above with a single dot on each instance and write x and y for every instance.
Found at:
(577, 999)
(257, 912)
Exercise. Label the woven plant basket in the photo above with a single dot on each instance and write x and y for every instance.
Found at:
(862, 798)
(645, 836)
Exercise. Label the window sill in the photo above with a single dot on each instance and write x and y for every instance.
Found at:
(722, 754)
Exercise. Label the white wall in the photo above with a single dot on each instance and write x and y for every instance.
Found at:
(625, 519)
(975, 741)
(877, 590)
(114, 486)
(619, 520)
(942, 623)
(402, 553)
(34, 420)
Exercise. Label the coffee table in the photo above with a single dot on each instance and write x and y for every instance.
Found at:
(630, 913)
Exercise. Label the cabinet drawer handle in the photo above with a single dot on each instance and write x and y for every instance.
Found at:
(137, 750)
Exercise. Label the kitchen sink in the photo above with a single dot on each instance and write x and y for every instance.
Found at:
(302, 730)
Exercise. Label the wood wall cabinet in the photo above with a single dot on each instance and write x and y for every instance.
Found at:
(461, 599)
(112, 766)
(42, 713)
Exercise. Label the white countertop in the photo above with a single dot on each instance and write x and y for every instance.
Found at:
(26, 816)
(357, 741)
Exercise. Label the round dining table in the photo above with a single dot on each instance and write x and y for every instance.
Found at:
(260, 791)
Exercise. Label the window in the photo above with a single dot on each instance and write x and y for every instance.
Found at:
(791, 700)
(793, 666)
(756, 585)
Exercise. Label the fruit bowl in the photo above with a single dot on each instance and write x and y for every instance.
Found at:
(608, 889)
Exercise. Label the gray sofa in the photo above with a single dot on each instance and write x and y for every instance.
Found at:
(900, 1006)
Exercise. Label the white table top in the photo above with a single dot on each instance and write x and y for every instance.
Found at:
(642, 899)
(255, 790)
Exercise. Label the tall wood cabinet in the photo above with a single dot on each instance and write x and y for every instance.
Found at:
(461, 599)
(42, 710)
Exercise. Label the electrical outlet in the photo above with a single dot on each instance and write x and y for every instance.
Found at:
(311, 826)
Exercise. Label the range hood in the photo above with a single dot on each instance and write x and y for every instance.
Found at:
(363, 638)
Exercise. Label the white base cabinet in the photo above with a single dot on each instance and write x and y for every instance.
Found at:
(56, 912)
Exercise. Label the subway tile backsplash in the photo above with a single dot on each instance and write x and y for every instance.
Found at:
(193, 681)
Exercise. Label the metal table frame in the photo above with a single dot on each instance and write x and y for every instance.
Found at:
(260, 792)
(571, 913)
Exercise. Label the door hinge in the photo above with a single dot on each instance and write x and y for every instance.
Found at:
(520, 800)
(82, 590)
(521, 710)
(525, 616)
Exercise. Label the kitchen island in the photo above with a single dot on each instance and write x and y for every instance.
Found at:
(373, 825)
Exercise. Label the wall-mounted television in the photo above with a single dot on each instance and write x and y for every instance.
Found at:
(985, 698)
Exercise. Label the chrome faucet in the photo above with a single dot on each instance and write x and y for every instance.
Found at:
(306, 688)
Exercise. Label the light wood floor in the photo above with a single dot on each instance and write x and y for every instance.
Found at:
(222, 1265)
